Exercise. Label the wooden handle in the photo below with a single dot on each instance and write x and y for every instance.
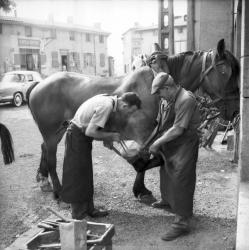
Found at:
(58, 215)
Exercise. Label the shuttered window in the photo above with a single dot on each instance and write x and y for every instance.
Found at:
(88, 37)
(88, 60)
(55, 62)
(101, 38)
(102, 60)
(28, 31)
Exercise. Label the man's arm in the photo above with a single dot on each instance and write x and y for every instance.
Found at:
(169, 135)
(94, 131)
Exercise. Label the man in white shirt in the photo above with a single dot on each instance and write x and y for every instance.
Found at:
(87, 124)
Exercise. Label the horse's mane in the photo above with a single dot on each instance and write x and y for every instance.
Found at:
(175, 62)
(234, 64)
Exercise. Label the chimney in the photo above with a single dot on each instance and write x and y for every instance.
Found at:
(136, 24)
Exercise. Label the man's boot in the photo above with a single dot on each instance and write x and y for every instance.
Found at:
(178, 228)
(94, 212)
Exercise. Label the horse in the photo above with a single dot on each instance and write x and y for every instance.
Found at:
(6, 145)
(55, 100)
(138, 61)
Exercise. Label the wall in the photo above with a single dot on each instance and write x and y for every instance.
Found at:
(213, 21)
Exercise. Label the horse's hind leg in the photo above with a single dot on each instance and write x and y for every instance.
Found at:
(51, 149)
(42, 172)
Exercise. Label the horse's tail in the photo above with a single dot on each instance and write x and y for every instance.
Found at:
(29, 91)
(7, 145)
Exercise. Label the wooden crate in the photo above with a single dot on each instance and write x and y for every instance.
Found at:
(48, 237)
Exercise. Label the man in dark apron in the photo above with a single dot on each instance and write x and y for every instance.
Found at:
(87, 124)
(178, 143)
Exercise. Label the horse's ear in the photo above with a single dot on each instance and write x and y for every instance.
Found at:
(221, 48)
(156, 47)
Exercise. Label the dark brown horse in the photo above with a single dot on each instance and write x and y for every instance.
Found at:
(6, 145)
(55, 100)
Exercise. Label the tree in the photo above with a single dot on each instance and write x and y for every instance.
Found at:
(7, 5)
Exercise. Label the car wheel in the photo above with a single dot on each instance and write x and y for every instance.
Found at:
(17, 100)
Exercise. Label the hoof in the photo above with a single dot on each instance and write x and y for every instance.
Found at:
(46, 186)
(147, 199)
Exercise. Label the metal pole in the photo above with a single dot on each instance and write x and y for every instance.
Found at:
(191, 25)
(171, 27)
(94, 54)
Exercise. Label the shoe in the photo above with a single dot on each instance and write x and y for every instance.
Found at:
(175, 232)
(161, 205)
(98, 213)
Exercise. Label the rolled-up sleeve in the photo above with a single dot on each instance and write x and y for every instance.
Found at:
(101, 115)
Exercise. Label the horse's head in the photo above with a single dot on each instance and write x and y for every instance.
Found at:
(138, 61)
(141, 123)
(220, 80)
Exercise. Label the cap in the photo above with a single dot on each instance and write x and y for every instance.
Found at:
(162, 79)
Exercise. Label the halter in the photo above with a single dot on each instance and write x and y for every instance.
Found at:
(205, 72)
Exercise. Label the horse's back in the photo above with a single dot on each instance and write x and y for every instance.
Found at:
(56, 98)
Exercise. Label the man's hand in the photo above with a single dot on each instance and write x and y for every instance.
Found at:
(154, 148)
(108, 144)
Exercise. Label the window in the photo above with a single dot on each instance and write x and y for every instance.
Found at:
(102, 60)
(71, 35)
(28, 31)
(88, 37)
(101, 38)
(53, 33)
(29, 78)
(180, 29)
(88, 60)
(55, 62)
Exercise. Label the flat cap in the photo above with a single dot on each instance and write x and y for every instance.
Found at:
(162, 79)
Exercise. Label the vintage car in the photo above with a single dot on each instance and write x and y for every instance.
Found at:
(14, 85)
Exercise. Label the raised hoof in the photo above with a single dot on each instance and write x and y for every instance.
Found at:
(147, 199)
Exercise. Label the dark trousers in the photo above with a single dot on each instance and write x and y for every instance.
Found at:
(77, 178)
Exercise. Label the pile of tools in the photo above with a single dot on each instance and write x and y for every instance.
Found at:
(68, 234)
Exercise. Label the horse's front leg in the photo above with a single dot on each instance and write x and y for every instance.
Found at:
(140, 191)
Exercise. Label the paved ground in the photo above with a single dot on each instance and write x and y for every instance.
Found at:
(138, 226)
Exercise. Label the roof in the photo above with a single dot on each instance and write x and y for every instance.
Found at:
(52, 25)
(20, 72)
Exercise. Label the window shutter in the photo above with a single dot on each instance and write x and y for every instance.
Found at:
(43, 59)
(55, 63)
(17, 60)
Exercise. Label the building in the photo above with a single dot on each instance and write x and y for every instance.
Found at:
(139, 40)
(210, 21)
(49, 47)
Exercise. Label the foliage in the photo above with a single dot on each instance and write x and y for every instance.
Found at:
(7, 5)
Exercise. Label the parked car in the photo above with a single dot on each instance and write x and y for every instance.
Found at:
(14, 85)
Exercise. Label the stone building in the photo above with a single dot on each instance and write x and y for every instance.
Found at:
(139, 40)
(49, 47)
